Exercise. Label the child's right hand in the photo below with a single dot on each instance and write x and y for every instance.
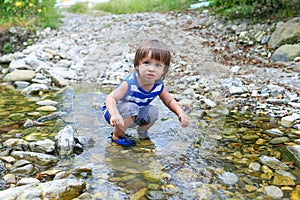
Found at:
(116, 120)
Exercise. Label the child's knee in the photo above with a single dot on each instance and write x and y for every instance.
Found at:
(128, 109)
(153, 113)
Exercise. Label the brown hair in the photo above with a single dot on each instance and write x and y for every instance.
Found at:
(159, 51)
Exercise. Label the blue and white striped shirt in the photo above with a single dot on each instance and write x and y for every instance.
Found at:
(136, 94)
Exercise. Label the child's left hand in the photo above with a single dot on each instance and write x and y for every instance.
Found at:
(184, 120)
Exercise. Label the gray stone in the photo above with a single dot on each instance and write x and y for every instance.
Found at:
(273, 163)
(286, 33)
(19, 75)
(65, 141)
(273, 192)
(59, 189)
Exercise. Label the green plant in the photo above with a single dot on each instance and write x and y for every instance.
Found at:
(29, 12)
(78, 8)
(258, 9)
(7, 48)
(137, 6)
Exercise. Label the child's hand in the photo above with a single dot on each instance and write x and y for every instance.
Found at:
(116, 120)
(184, 120)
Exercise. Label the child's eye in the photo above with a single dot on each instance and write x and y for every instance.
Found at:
(146, 62)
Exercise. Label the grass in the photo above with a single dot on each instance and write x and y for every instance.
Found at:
(138, 6)
(79, 8)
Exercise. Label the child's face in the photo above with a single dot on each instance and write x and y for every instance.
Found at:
(150, 70)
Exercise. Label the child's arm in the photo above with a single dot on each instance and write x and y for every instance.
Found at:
(173, 105)
(111, 104)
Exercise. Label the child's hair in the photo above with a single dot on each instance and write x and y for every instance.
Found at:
(159, 51)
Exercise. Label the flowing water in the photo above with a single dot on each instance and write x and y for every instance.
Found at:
(176, 163)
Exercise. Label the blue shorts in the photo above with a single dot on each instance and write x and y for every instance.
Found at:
(144, 115)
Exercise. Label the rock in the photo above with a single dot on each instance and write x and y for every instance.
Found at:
(279, 140)
(35, 88)
(16, 65)
(288, 121)
(47, 102)
(26, 181)
(279, 180)
(139, 194)
(37, 158)
(58, 80)
(273, 192)
(65, 141)
(19, 75)
(274, 132)
(296, 193)
(42, 146)
(273, 163)
(286, 33)
(10, 178)
(229, 178)
(63, 189)
(47, 108)
(13, 142)
(286, 52)
(27, 169)
(254, 166)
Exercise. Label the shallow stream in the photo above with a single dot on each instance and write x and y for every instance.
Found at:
(208, 160)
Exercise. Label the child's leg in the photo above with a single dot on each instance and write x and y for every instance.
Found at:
(119, 131)
(128, 111)
(146, 118)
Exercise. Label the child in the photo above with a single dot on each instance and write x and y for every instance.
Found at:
(129, 103)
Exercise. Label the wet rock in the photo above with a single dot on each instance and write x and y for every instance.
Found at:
(139, 194)
(47, 102)
(282, 180)
(37, 158)
(60, 189)
(65, 141)
(273, 192)
(274, 132)
(28, 123)
(273, 163)
(42, 146)
(14, 142)
(296, 193)
(229, 178)
(47, 108)
(279, 140)
(155, 172)
(35, 88)
(254, 166)
(58, 80)
(288, 121)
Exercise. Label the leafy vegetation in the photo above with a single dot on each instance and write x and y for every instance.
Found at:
(256, 9)
(41, 13)
(78, 8)
(137, 6)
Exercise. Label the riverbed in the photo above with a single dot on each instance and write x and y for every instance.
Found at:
(235, 147)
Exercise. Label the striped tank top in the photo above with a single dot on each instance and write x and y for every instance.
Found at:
(137, 95)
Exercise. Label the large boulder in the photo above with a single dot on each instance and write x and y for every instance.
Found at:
(63, 189)
(286, 33)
